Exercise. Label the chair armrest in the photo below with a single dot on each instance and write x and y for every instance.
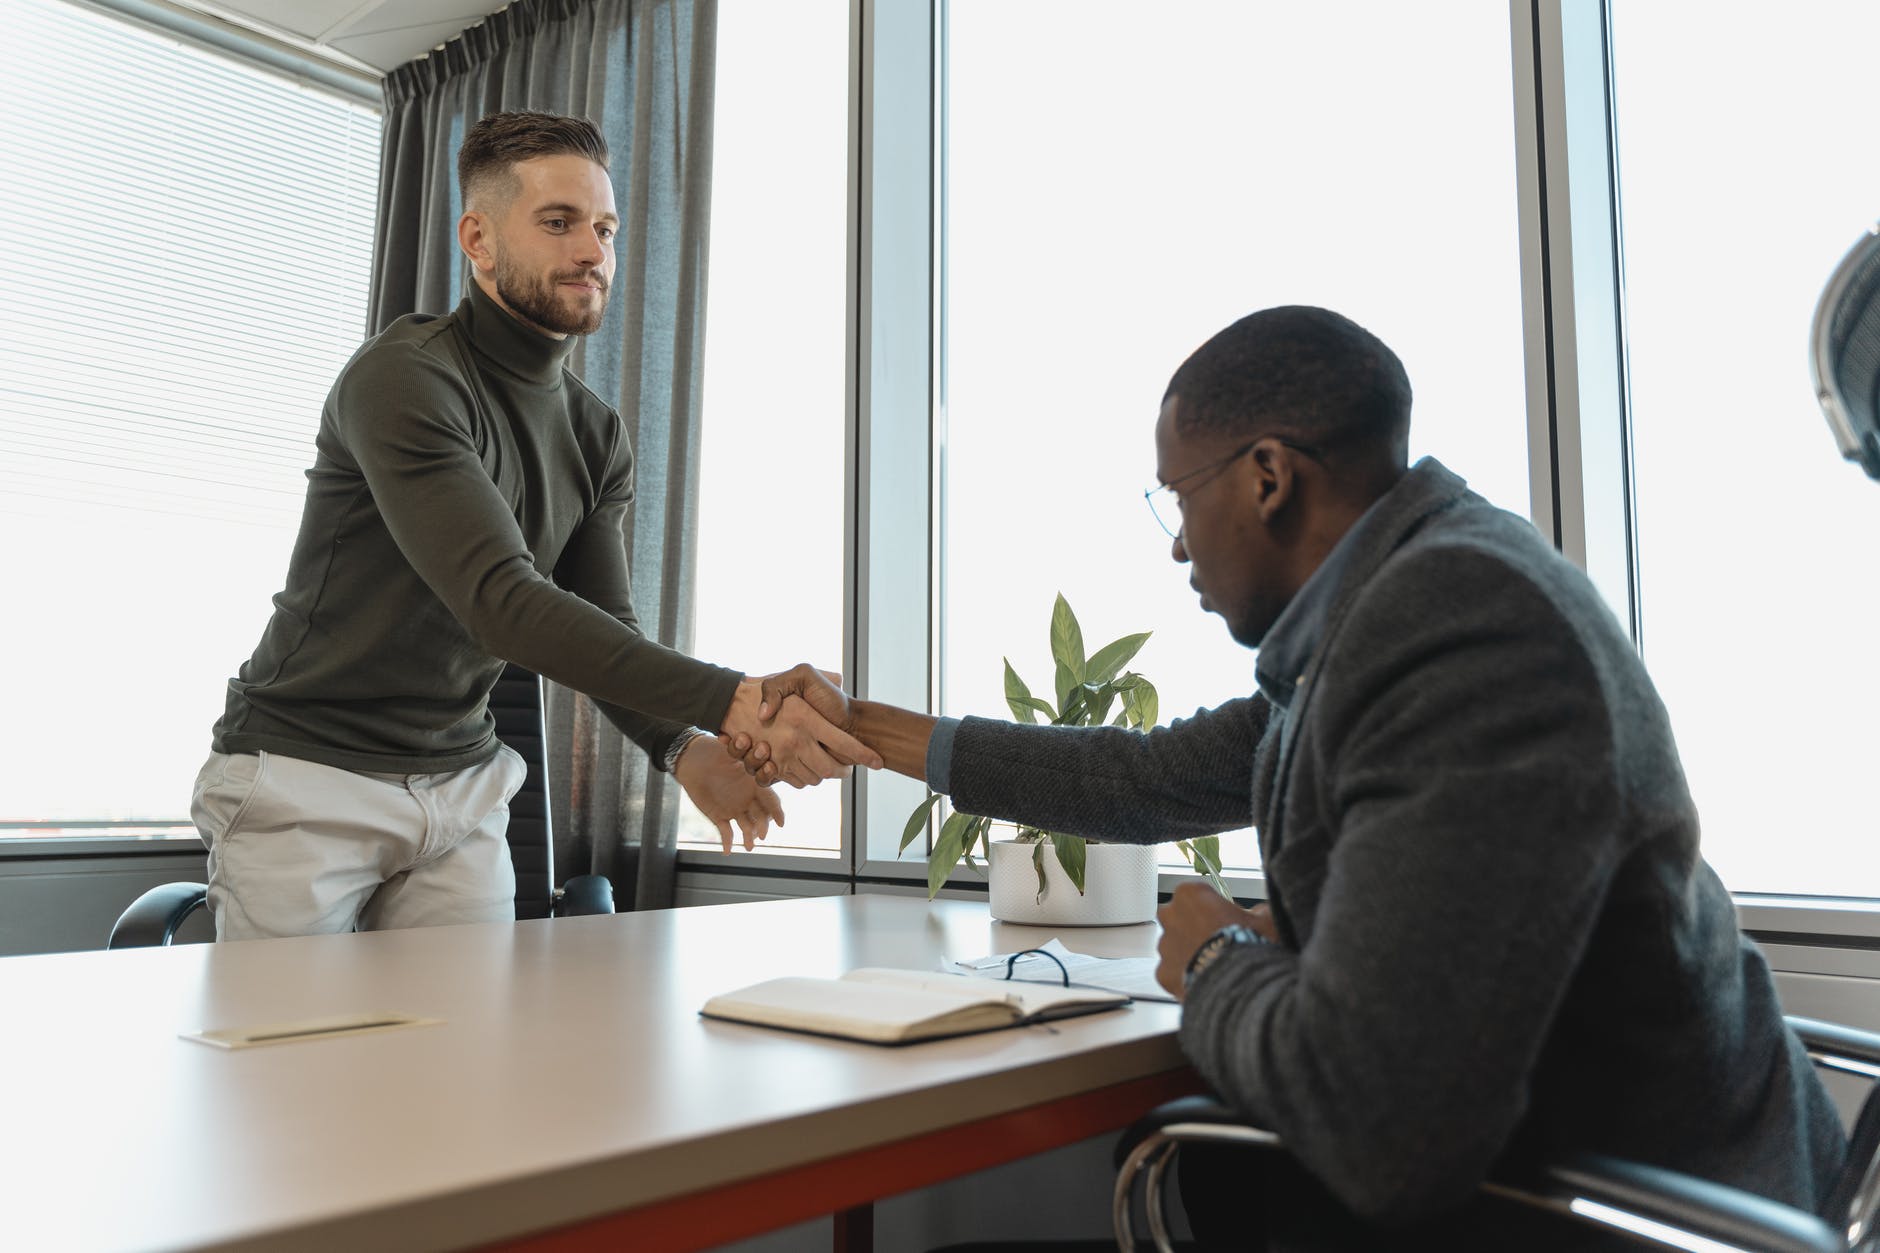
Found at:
(1629, 1191)
(1633, 1189)
(584, 894)
(153, 918)
(1831, 1040)
(1192, 1119)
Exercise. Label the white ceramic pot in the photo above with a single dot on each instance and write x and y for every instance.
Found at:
(1119, 886)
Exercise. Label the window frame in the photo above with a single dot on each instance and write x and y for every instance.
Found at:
(316, 70)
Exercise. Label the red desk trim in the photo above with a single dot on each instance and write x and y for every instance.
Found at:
(751, 1207)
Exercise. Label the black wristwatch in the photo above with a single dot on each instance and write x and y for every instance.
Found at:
(1216, 944)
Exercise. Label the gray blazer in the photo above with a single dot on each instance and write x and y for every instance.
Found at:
(1500, 939)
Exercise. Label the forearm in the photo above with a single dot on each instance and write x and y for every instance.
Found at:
(563, 637)
(901, 736)
(654, 736)
(1182, 781)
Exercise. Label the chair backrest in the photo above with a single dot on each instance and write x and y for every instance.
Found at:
(517, 702)
(1844, 353)
(1855, 1201)
(154, 917)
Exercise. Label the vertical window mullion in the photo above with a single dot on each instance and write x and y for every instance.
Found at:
(893, 532)
(1573, 296)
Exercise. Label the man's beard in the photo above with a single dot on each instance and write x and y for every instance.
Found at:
(539, 298)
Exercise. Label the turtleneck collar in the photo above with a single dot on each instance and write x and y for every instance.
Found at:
(519, 349)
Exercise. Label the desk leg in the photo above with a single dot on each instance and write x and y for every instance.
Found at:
(855, 1229)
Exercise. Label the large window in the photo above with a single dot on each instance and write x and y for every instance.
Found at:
(1121, 183)
(770, 542)
(1741, 188)
(188, 244)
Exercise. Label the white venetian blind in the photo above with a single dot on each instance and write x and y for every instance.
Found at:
(187, 247)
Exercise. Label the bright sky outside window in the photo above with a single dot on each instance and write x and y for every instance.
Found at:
(188, 255)
(1740, 190)
(770, 544)
(1126, 181)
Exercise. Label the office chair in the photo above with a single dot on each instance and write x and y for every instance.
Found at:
(153, 918)
(1629, 1199)
(1845, 353)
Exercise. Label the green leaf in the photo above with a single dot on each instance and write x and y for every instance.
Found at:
(1097, 700)
(1070, 855)
(1106, 661)
(1148, 704)
(1122, 718)
(1029, 703)
(1132, 709)
(1204, 854)
(1037, 868)
(1080, 714)
(1067, 640)
(981, 834)
(1018, 696)
(1067, 688)
(947, 851)
(917, 821)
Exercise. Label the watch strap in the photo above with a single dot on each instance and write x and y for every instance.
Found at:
(1216, 944)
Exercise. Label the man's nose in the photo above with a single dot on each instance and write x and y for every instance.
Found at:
(590, 250)
(1179, 550)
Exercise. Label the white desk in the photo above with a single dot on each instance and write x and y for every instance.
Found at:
(571, 1096)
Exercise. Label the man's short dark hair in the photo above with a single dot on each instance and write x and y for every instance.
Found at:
(1307, 373)
(486, 162)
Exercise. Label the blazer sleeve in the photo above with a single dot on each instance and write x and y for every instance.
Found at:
(1191, 778)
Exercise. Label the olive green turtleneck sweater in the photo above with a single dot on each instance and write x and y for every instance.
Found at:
(464, 509)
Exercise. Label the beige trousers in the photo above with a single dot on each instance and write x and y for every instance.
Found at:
(298, 848)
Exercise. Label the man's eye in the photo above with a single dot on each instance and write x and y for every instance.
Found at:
(605, 232)
(555, 224)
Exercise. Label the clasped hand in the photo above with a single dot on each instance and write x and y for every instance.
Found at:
(1194, 912)
(795, 741)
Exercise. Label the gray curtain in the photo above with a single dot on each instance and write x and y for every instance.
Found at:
(642, 71)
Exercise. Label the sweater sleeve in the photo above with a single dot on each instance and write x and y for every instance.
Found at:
(594, 567)
(405, 418)
(1465, 749)
(1191, 778)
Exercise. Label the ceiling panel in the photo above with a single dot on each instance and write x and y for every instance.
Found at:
(382, 34)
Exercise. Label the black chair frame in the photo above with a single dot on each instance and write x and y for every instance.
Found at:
(1627, 1198)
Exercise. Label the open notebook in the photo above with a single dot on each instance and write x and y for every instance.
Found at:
(882, 1006)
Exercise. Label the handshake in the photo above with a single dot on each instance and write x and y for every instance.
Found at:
(794, 727)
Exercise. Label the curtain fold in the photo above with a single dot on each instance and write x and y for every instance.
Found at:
(641, 70)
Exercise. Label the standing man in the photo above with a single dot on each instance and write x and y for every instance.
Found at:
(464, 509)
(1489, 936)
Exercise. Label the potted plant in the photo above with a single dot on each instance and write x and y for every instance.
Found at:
(1084, 883)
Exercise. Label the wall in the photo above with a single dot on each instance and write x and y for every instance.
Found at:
(64, 896)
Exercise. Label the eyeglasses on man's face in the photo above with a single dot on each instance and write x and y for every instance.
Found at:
(1165, 499)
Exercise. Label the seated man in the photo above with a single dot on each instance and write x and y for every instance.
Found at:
(1491, 934)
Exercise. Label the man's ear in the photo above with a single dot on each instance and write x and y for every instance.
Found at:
(477, 239)
(1271, 464)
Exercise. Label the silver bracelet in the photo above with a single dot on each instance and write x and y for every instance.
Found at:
(670, 761)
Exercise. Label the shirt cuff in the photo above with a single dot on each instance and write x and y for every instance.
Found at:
(940, 755)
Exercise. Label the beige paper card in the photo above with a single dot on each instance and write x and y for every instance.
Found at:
(311, 1029)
